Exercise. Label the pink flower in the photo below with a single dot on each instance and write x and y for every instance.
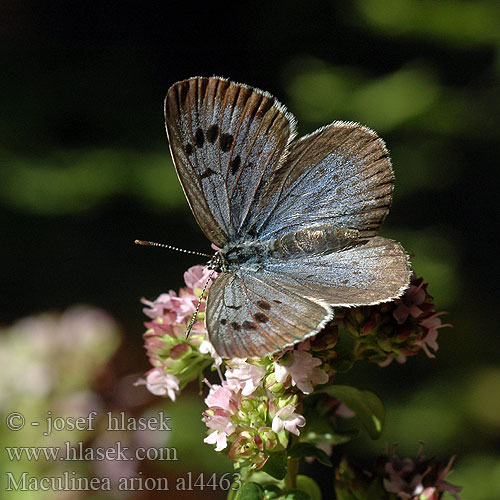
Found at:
(172, 307)
(443, 485)
(161, 383)
(409, 303)
(222, 404)
(158, 307)
(302, 367)
(418, 479)
(221, 396)
(285, 418)
(432, 323)
(196, 277)
(184, 305)
(244, 376)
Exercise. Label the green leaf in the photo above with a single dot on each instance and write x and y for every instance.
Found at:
(276, 465)
(367, 406)
(321, 428)
(345, 494)
(309, 486)
(271, 491)
(301, 450)
(250, 491)
(295, 495)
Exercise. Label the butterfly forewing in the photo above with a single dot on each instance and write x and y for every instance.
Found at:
(226, 139)
(253, 314)
(339, 175)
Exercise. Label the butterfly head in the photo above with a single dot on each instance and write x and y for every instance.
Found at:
(218, 262)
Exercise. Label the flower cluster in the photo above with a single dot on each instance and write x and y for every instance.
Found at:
(419, 479)
(259, 407)
(256, 406)
(394, 330)
(405, 479)
(177, 358)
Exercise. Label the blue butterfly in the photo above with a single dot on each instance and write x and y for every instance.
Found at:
(295, 220)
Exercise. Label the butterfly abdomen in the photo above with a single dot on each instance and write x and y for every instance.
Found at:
(313, 240)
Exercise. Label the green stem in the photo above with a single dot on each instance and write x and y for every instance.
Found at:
(291, 474)
(292, 468)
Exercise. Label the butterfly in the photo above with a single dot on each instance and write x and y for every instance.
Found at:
(295, 220)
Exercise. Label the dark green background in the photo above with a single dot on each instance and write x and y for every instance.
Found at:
(85, 169)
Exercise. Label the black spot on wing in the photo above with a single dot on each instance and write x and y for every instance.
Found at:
(223, 321)
(208, 172)
(235, 164)
(261, 317)
(265, 305)
(212, 133)
(199, 138)
(277, 302)
(189, 149)
(235, 326)
(249, 325)
(226, 140)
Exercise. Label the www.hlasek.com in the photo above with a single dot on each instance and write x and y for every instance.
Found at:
(77, 452)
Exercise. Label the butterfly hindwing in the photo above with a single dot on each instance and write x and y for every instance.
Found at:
(226, 140)
(250, 314)
(370, 272)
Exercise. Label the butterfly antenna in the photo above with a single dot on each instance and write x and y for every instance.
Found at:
(193, 317)
(170, 247)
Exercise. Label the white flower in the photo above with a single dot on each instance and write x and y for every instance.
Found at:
(219, 421)
(303, 369)
(285, 418)
(206, 347)
(219, 438)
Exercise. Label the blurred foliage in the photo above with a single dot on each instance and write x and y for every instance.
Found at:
(85, 166)
(49, 363)
(460, 23)
(75, 181)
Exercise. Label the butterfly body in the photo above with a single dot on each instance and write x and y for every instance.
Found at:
(309, 241)
(296, 221)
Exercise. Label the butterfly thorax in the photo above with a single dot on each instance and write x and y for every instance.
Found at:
(317, 239)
